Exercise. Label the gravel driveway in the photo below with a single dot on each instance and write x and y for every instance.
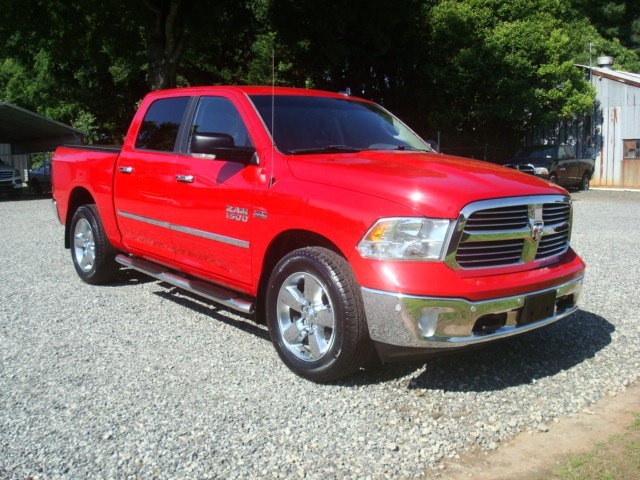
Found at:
(141, 380)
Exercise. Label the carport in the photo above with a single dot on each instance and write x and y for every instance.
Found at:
(23, 132)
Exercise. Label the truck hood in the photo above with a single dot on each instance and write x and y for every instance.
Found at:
(434, 185)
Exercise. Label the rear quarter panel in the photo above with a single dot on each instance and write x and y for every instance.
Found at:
(79, 169)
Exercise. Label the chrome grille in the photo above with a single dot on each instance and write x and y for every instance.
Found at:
(489, 254)
(556, 216)
(525, 168)
(511, 232)
(553, 213)
(4, 174)
(505, 218)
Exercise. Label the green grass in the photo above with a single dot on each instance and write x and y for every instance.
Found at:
(616, 459)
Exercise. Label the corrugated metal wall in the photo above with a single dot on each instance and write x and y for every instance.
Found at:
(619, 104)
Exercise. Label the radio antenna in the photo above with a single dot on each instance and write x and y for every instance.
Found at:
(273, 111)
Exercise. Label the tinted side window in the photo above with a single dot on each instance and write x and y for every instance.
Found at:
(161, 123)
(219, 115)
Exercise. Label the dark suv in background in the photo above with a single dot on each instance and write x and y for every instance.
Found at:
(556, 163)
(40, 178)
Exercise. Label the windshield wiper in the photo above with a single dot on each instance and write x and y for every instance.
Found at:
(327, 149)
(413, 149)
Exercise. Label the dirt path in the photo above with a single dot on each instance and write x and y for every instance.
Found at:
(529, 455)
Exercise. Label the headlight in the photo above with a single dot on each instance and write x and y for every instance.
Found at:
(541, 171)
(406, 239)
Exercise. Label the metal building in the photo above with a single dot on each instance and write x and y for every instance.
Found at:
(23, 132)
(616, 126)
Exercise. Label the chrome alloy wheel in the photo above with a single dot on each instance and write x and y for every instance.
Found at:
(84, 245)
(306, 317)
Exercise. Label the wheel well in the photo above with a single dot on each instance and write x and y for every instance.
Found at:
(78, 197)
(280, 246)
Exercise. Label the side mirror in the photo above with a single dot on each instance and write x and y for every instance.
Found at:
(221, 146)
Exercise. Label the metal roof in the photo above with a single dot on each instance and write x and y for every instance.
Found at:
(617, 75)
(29, 132)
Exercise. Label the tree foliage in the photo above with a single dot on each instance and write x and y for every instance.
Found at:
(617, 19)
(479, 71)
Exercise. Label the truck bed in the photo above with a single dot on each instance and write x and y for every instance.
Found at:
(75, 167)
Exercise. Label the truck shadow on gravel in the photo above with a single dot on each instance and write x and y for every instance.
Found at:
(241, 321)
(515, 361)
(520, 360)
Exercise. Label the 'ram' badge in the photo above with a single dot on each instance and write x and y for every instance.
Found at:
(238, 214)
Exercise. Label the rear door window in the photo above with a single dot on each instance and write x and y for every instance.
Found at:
(161, 124)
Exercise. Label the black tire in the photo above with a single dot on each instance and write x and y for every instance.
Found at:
(584, 183)
(553, 178)
(315, 315)
(36, 188)
(92, 254)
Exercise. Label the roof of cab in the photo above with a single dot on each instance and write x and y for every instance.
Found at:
(252, 90)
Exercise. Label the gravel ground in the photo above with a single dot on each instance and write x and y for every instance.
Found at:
(140, 380)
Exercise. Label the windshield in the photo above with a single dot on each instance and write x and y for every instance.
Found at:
(320, 124)
(537, 152)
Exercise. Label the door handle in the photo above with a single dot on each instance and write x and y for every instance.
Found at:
(184, 178)
(126, 169)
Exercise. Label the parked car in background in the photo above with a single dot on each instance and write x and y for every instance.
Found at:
(40, 178)
(556, 163)
(10, 181)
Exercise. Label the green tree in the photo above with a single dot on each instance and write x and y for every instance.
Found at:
(478, 70)
(88, 63)
(618, 19)
(509, 65)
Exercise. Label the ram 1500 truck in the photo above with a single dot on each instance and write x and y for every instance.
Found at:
(557, 163)
(326, 216)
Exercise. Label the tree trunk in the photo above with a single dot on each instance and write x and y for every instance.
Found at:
(165, 42)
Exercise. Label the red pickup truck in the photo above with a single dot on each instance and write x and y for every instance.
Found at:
(327, 217)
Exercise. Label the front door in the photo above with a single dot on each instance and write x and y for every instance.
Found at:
(567, 165)
(211, 212)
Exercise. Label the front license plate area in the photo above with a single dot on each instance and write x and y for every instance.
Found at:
(538, 307)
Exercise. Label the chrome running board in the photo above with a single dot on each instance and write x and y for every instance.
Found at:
(204, 289)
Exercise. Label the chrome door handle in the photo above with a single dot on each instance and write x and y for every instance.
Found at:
(184, 178)
(126, 169)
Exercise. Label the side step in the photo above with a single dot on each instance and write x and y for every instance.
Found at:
(207, 290)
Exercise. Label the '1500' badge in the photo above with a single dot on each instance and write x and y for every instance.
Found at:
(238, 214)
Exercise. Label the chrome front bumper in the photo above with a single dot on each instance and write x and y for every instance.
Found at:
(445, 323)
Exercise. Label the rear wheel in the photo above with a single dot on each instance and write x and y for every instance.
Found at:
(316, 316)
(584, 183)
(92, 254)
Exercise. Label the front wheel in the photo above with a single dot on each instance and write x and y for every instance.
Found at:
(316, 316)
(92, 254)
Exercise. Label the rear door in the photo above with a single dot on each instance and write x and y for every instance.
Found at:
(145, 179)
(211, 212)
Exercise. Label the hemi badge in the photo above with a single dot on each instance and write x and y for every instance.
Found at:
(260, 214)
